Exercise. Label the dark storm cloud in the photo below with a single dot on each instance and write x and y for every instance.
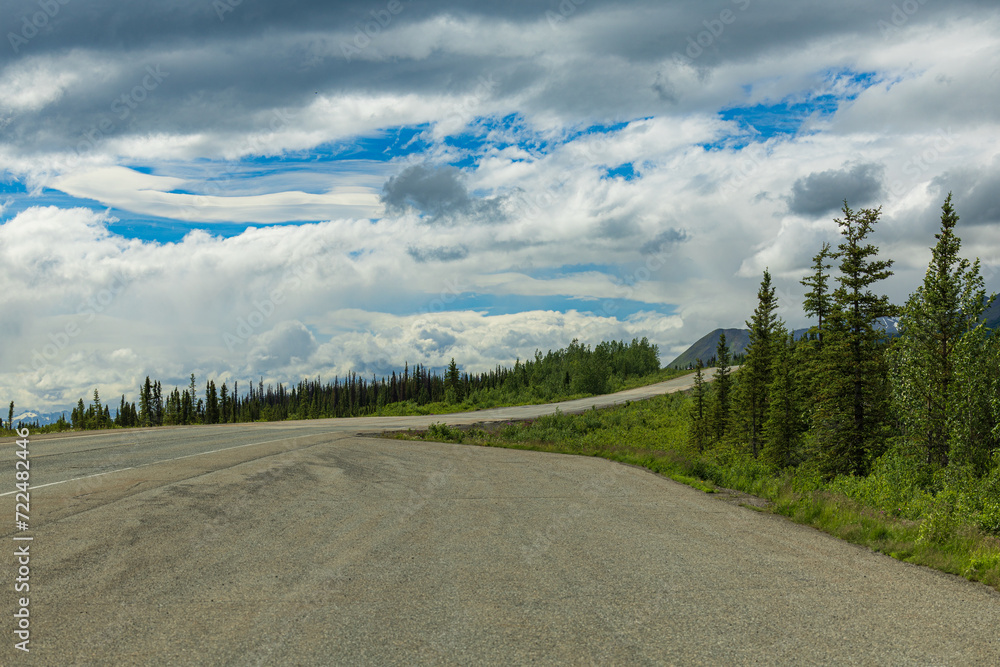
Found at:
(664, 239)
(434, 191)
(118, 25)
(229, 59)
(439, 194)
(616, 228)
(438, 254)
(823, 192)
(975, 193)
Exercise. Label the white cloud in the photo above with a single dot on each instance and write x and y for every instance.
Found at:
(240, 107)
(151, 195)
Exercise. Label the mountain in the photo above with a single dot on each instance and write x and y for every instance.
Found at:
(42, 418)
(992, 315)
(738, 339)
(704, 349)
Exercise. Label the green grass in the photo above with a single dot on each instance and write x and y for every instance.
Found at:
(527, 396)
(896, 510)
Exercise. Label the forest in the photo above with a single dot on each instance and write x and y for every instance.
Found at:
(906, 423)
(846, 394)
(576, 370)
(886, 438)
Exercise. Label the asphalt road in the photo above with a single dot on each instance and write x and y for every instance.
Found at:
(301, 543)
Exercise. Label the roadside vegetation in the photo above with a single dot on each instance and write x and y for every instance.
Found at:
(576, 371)
(890, 439)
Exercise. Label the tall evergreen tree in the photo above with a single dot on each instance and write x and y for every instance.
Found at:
(145, 403)
(939, 383)
(754, 379)
(722, 395)
(784, 425)
(224, 404)
(699, 410)
(211, 404)
(453, 380)
(852, 399)
(157, 403)
(818, 299)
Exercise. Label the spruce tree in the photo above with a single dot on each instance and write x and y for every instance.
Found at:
(211, 403)
(453, 379)
(698, 433)
(784, 425)
(754, 379)
(224, 404)
(817, 299)
(145, 403)
(939, 384)
(851, 412)
(722, 396)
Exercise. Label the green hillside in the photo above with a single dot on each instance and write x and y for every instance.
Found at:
(704, 349)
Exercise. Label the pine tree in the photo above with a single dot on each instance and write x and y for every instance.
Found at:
(784, 425)
(224, 404)
(750, 398)
(79, 416)
(453, 379)
(939, 385)
(817, 302)
(851, 410)
(157, 405)
(699, 413)
(10, 416)
(194, 400)
(145, 403)
(211, 404)
(98, 410)
(722, 396)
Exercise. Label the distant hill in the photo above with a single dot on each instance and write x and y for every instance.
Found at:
(736, 340)
(992, 315)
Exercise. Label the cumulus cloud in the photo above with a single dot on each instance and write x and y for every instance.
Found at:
(286, 343)
(820, 193)
(977, 190)
(438, 254)
(454, 168)
(434, 191)
(663, 240)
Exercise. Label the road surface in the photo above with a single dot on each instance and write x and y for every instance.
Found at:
(299, 543)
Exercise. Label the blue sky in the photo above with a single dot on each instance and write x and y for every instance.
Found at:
(469, 183)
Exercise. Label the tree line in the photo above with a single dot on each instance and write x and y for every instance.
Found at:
(576, 369)
(848, 392)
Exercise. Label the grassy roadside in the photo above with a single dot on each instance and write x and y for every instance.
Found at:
(925, 529)
(529, 396)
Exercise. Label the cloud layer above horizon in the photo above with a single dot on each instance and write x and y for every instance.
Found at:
(247, 189)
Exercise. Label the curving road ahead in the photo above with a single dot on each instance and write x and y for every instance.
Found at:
(301, 543)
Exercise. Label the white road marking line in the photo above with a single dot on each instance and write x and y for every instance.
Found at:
(143, 465)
